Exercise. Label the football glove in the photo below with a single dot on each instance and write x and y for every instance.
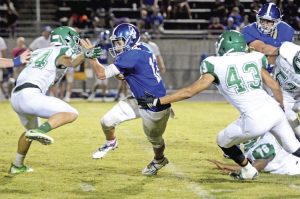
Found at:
(93, 53)
(148, 101)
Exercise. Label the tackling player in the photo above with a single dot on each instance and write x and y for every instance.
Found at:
(138, 66)
(29, 100)
(238, 75)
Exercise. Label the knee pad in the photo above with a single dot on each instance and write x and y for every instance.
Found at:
(107, 123)
(157, 142)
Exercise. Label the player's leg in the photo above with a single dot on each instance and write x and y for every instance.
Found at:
(228, 139)
(28, 121)
(57, 111)
(124, 110)
(154, 124)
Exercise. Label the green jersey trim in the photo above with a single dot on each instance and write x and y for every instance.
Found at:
(207, 67)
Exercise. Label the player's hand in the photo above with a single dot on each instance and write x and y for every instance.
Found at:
(87, 44)
(23, 58)
(148, 101)
(90, 51)
(93, 53)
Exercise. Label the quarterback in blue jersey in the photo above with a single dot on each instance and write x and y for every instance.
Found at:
(269, 32)
(134, 62)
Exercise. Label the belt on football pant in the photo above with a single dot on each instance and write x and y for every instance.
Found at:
(25, 85)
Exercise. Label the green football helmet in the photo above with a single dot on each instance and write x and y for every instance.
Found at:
(230, 41)
(68, 36)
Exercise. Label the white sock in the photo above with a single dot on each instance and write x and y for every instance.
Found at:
(19, 160)
(109, 142)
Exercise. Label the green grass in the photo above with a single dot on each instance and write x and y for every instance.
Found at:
(66, 170)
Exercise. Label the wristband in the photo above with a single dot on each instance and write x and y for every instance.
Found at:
(17, 61)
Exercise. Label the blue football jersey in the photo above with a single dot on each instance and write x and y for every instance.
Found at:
(140, 70)
(284, 33)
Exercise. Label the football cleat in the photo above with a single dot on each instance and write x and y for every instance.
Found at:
(104, 149)
(249, 173)
(17, 170)
(155, 165)
(37, 135)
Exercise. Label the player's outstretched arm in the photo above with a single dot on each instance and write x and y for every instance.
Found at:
(198, 86)
(266, 49)
(22, 59)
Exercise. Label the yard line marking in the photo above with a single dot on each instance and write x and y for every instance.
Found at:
(87, 187)
(173, 169)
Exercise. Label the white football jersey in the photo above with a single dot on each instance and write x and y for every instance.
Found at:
(42, 70)
(238, 78)
(285, 73)
(282, 162)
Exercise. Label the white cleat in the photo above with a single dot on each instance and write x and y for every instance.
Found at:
(104, 149)
(155, 165)
(247, 173)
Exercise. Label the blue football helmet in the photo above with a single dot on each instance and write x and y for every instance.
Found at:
(271, 12)
(126, 32)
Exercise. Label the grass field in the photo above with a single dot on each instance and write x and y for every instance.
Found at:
(66, 170)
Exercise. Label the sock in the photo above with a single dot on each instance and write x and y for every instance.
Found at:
(45, 128)
(19, 160)
(109, 142)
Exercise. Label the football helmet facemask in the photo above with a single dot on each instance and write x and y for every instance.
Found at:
(269, 12)
(126, 32)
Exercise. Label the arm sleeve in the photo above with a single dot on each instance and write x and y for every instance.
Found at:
(248, 35)
(208, 67)
(111, 70)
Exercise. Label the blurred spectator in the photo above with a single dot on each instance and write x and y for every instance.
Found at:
(230, 25)
(100, 19)
(218, 9)
(18, 50)
(42, 41)
(182, 10)
(12, 16)
(166, 8)
(235, 14)
(241, 7)
(290, 12)
(245, 22)
(143, 23)
(114, 21)
(254, 7)
(215, 28)
(149, 5)
(156, 21)
(145, 37)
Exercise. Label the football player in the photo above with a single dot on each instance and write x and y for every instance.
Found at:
(238, 75)
(267, 155)
(29, 100)
(268, 33)
(287, 73)
(135, 63)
